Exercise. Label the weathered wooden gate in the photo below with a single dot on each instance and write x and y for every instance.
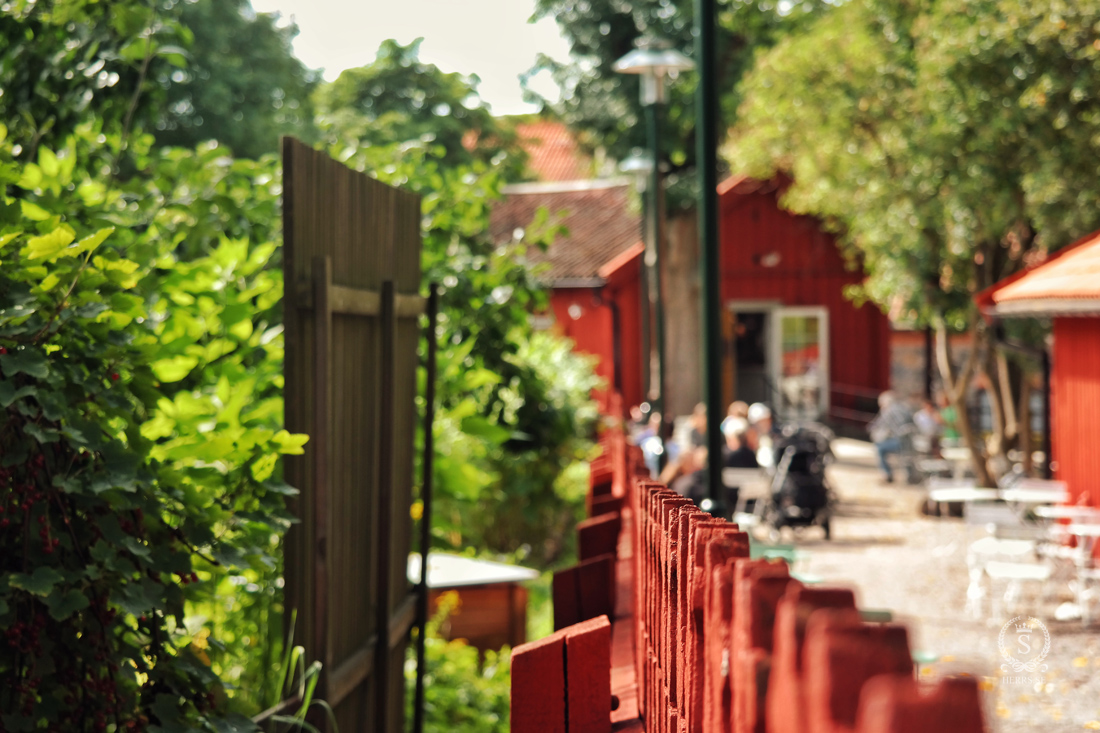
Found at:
(352, 275)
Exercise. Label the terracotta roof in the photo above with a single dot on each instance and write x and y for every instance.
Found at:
(1067, 283)
(600, 225)
(552, 152)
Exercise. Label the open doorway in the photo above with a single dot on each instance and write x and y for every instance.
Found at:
(779, 356)
(750, 356)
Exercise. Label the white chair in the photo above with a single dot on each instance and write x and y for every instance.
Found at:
(1015, 574)
(982, 552)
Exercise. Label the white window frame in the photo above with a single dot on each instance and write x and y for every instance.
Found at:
(775, 347)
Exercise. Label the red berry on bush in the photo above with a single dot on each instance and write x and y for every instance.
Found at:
(3, 350)
(114, 376)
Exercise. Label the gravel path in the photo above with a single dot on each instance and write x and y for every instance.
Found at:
(897, 559)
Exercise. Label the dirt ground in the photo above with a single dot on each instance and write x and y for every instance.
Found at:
(897, 559)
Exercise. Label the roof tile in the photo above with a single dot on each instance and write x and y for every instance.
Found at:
(599, 221)
(552, 152)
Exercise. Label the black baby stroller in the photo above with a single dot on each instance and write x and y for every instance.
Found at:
(800, 494)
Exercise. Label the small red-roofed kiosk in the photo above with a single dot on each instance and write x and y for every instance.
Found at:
(1065, 289)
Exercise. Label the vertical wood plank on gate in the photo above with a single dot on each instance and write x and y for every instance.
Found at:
(322, 341)
(351, 386)
(388, 323)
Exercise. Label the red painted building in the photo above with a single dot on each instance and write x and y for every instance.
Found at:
(592, 270)
(792, 340)
(1065, 289)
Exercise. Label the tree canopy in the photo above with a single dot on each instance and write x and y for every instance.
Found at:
(188, 71)
(242, 84)
(605, 105)
(398, 98)
(951, 143)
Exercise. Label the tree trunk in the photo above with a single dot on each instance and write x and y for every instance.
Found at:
(956, 387)
(1024, 419)
(683, 326)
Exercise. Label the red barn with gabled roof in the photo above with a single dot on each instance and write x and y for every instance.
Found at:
(1066, 289)
(792, 340)
(593, 270)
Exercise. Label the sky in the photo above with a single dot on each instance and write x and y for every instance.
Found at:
(490, 38)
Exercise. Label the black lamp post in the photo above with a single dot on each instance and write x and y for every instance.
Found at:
(640, 166)
(706, 155)
(654, 60)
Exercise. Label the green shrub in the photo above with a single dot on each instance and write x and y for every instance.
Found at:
(463, 692)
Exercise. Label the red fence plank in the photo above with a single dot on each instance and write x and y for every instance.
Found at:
(726, 644)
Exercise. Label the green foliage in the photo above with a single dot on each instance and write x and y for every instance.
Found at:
(462, 693)
(242, 85)
(949, 141)
(191, 71)
(398, 99)
(64, 62)
(605, 104)
(132, 478)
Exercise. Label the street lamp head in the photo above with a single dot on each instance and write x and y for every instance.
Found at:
(639, 165)
(654, 59)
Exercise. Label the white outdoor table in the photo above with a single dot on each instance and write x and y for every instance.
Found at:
(964, 494)
(1085, 530)
(1087, 533)
(1034, 496)
(959, 458)
(1070, 511)
(955, 454)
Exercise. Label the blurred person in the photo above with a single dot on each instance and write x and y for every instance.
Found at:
(648, 438)
(737, 409)
(762, 433)
(693, 483)
(949, 418)
(929, 424)
(888, 429)
(698, 434)
(737, 454)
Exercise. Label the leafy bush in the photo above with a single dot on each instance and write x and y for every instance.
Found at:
(130, 471)
(463, 693)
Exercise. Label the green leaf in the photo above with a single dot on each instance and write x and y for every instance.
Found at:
(33, 211)
(5, 238)
(66, 604)
(236, 723)
(49, 245)
(9, 394)
(137, 547)
(174, 369)
(478, 426)
(90, 242)
(290, 444)
(264, 466)
(40, 583)
(25, 361)
(41, 434)
(278, 487)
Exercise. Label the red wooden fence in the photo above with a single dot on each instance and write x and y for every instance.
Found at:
(705, 640)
